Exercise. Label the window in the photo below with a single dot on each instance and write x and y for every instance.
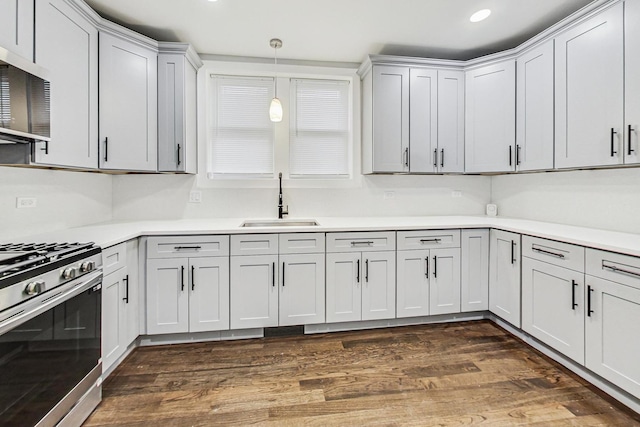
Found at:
(319, 128)
(5, 105)
(242, 136)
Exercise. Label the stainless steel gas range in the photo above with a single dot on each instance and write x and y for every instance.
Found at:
(50, 333)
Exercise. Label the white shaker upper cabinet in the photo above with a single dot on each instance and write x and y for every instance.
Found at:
(16, 27)
(423, 117)
(128, 105)
(491, 118)
(632, 82)
(67, 45)
(589, 91)
(449, 157)
(390, 119)
(534, 139)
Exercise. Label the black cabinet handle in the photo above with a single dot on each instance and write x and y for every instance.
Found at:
(106, 148)
(406, 157)
(430, 241)
(179, 148)
(630, 130)
(589, 311)
(435, 267)
(510, 156)
(366, 270)
(574, 285)
(182, 278)
(518, 155)
(283, 274)
(542, 251)
(426, 265)
(273, 275)
(442, 158)
(358, 271)
(513, 252)
(126, 289)
(613, 146)
(193, 278)
(46, 147)
(435, 158)
(179, 248)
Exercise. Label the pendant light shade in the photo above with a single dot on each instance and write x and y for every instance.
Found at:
(275, 109)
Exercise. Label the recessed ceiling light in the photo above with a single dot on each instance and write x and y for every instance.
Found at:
(480, 15)
(213, 0)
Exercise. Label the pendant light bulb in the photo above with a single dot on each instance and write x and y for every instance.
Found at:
(275, 109)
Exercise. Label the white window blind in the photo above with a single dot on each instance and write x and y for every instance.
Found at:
(242, 136)
(320, 128)
(5, 104)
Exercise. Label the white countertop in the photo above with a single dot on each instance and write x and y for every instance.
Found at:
(112, 233)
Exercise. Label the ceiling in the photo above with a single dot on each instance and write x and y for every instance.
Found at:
(339, 30)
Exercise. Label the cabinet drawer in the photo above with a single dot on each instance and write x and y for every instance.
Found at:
(361, 242)
(618, 268)
(114, 258)
(556, 253)
(302, 243)
(187, 246)
(428, 239)
(254, 244)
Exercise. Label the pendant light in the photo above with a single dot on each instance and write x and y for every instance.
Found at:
(275, 109)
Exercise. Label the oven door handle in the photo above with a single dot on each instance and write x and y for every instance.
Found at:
(16, 316)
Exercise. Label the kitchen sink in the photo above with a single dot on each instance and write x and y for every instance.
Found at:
(281, 223)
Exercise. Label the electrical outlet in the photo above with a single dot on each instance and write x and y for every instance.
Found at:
(388, 195)
(195, 197)
(26, 202)
(456, 194)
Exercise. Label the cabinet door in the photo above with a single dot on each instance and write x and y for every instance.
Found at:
(534, 139)
(390, 119)
(131, 301)
(16, 27)
(379, 285)
(208, 294)
(128, 105)
(589, 91)
(423, 120)
(344, 296)
(504, 276)
(254, 291)
(445, 281)
(552, 306)
(632, 82)
(301, 289)
(113, 287)
(450, 121)
(475, 271)
(67, 45)
(611, 336)
(490, 127)
(167, 296)
(413, 283)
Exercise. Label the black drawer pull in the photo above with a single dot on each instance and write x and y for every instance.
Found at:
(542, 251)
(362, 243)
(620, 270)
(430, 240)
(180, 248)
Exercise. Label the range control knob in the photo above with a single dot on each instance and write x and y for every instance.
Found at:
(34, 288)
(69, 273)
(87, 266)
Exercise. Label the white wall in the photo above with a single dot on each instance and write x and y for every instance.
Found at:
(167, 197)
(606, 199)
(64, 200)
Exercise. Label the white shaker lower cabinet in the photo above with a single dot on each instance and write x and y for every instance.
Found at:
(474, 292)
(254, 281)
(187, 288)
(504, 276)
(120, 326)
(553, 294)
(613, 314)
(428, 281)
(361, 276)
(302, 290)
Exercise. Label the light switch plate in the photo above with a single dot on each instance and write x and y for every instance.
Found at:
(195, 197)
(26, 202)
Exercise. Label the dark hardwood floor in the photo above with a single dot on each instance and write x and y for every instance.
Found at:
(445, 375)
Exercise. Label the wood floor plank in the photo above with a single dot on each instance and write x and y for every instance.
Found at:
(471, 373)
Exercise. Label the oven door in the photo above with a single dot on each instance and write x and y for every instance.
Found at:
(48, 346)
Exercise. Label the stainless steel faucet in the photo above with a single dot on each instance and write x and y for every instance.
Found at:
(281, 211)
